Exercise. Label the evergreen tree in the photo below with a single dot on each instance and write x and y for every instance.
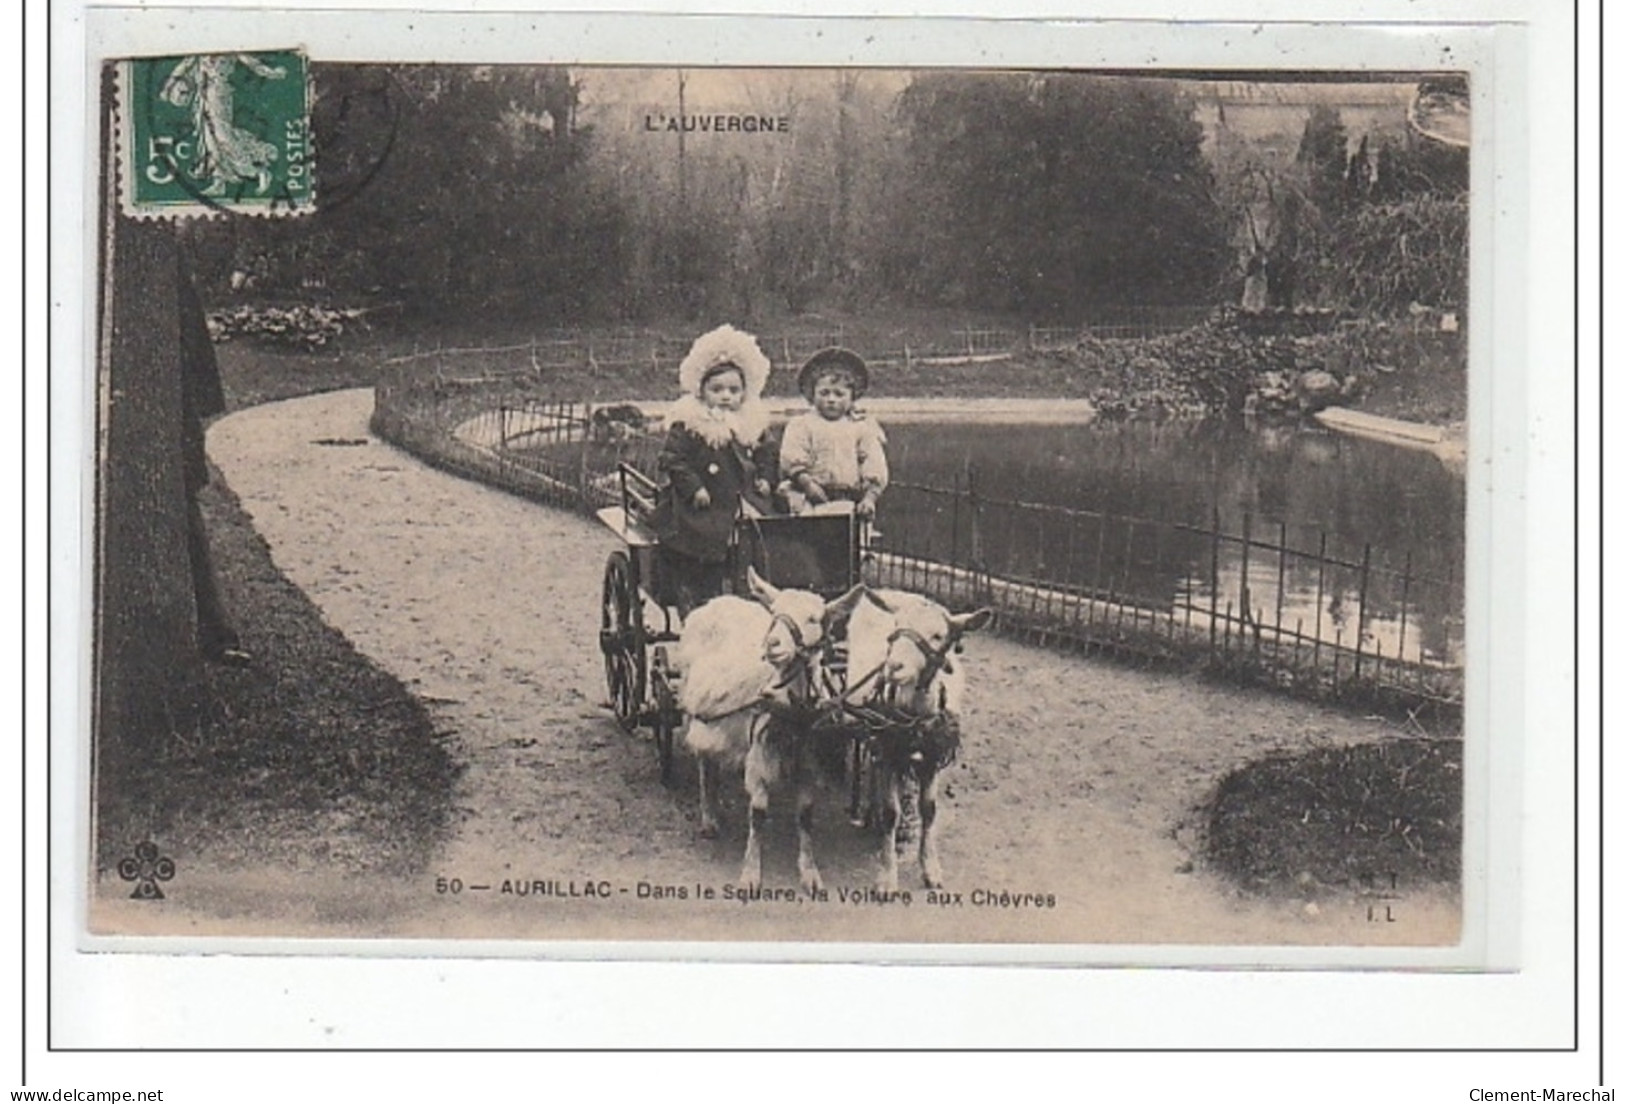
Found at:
(1390, 222)
(1039, 192)
(455, 187)
(1329, 171)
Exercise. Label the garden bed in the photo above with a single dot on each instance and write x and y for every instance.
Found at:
(1371, 817)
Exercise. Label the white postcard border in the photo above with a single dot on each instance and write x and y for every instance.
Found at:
(1505, 429)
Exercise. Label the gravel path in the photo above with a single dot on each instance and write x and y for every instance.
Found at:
(1078, 779)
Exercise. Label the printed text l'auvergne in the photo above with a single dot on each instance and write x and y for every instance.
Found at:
(661, 123)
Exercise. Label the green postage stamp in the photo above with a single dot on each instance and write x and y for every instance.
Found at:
(207, 133)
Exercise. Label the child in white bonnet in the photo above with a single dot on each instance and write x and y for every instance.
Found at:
(718, 460)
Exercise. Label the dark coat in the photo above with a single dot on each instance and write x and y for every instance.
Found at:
(728, 472)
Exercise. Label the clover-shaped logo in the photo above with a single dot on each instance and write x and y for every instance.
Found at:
(146, 868)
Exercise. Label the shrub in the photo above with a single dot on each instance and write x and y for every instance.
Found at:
(305, 326)
(1238, 362)
(1382, 258)
(1209, 370)
(1389, 811)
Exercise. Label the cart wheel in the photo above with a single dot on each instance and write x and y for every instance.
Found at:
(667, 716)
(620, 638)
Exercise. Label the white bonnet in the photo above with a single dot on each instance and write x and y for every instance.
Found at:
(725, 345)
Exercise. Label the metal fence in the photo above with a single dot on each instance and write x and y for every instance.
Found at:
(648, 349)
(1219, 595)
(640, 349)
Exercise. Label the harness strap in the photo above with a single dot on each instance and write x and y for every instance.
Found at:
(936, 659)
(790, 627)
(757, 702)
(713, 718)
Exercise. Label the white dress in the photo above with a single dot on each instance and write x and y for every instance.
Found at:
(847, 456)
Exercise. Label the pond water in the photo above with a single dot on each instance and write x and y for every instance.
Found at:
(1143, 500)
(1309, 535)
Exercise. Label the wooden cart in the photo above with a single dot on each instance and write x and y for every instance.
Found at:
(639, 620)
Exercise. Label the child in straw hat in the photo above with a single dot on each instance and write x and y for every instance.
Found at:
(833, 453)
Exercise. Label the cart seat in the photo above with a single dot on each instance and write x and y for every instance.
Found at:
(635, 533)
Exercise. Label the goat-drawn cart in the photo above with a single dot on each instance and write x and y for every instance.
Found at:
(895, 713)
(821, 553)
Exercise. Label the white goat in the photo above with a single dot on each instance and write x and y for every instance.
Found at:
(737, 656)
(902, 660)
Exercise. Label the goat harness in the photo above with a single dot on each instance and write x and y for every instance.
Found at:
(903, 736)
(790, 677)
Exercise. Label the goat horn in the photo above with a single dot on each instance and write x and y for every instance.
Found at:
(885, 606)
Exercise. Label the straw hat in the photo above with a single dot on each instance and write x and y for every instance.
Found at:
(722, 347)
(833, 359)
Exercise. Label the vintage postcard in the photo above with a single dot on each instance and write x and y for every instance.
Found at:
(849, 509)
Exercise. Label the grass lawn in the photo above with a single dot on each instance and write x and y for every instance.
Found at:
(311, 755)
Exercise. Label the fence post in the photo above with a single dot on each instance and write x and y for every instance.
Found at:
(1041, 572)
(1128, 552)
(1070, 576)
(1156, 567)
(1100, 554)
(586, 442)
(1189, 592)
(1320, 602)
(1213, 581)
(1246, 557)
(502, 440)
(1280, 584)
(1404, 610)
(1359, 624)
(975, 504)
